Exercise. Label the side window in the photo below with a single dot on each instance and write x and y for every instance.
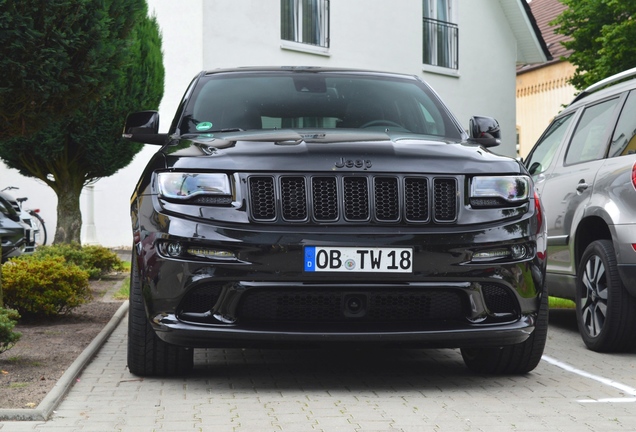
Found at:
(543, 153)
(305, 21)
(624, 138)
(589, 139)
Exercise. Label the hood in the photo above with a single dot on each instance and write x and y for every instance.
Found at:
(326, 150)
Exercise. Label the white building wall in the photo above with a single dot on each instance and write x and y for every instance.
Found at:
(382, 35)
(487, 64)
(374, 34)
(364, 34)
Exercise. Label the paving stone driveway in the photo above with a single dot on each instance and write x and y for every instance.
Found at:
(573, 389)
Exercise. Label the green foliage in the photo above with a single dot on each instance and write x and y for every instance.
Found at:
(8, 319)
(560, 303)
(603, 35)
(86, 144)
(56, 56)
(124, 292)
(44, 286)
(102, 259)
(94, 260)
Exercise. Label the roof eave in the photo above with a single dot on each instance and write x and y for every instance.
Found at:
(531, 47)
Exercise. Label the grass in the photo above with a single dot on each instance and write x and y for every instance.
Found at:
(52, 332)
(124, 292)
(19, 359)
(560, 303)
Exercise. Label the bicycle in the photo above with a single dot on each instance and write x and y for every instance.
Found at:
(29, 216)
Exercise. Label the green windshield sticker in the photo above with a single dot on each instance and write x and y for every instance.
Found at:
(203, 126)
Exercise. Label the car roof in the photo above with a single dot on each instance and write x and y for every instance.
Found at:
(316, 69)
(606, 87)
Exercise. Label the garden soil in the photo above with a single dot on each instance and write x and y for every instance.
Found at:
(30, 369)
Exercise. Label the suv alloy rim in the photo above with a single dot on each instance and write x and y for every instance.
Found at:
(594, 298)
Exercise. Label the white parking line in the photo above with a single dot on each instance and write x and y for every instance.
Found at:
(608, 382)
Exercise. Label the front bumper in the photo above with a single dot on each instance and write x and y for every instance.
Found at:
(263, 297)
(176, 332)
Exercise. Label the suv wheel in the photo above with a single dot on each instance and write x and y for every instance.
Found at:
(605, 312)
(512, 359)
(147, 354)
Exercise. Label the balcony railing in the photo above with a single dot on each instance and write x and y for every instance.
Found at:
(440, 45)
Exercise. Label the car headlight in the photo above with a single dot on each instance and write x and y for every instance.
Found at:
(498, 191)
(202, 188)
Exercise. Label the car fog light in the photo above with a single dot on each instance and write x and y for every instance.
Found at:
(174, 249)
(519, 251)
(491, 254)
(210, 253)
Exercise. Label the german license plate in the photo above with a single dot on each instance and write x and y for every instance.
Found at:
(358, 259)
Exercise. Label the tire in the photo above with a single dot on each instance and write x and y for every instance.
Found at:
(38, 224)
(147, 354)
(512, 359)
(605, 312)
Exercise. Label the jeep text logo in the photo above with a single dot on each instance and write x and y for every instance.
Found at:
(353, 163)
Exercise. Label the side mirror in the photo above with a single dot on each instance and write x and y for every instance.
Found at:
(484, 131)
(535, 168)
(143, 127)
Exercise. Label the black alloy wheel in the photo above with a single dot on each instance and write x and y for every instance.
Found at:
(512, 359)
(147, 354)
(605, 312)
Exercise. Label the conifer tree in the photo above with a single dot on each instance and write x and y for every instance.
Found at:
(85, 144)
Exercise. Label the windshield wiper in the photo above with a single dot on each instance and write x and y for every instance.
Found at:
(226, 130)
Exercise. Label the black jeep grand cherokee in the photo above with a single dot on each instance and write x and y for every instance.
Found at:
(309, 206)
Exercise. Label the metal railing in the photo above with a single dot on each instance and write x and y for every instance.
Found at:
(440, 44)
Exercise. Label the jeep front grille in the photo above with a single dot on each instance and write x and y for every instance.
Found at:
(353, 199)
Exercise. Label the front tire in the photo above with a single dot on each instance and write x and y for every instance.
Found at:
(512, 359)
(605, 312)
(147, 354)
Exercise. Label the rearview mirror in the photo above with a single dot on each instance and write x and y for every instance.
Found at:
(484, 131)
(143, 127)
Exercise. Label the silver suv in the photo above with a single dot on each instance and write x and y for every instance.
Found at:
(584, 167)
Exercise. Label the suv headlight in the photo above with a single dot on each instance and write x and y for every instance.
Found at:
(499, 191)
(202, 188)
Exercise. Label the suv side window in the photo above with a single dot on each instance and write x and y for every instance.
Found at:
(624, 139)
(545, 150)
(588, 142)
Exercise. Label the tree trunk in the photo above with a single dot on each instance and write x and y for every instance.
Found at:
(69, 216)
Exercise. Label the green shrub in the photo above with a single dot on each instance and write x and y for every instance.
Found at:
(8, 338)
(96, 260)
(37, 286)
(102, 259)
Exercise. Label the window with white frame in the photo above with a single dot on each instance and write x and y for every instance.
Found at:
(305, 21)
(440, 44)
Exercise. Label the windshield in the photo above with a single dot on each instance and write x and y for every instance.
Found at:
(295, 100)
